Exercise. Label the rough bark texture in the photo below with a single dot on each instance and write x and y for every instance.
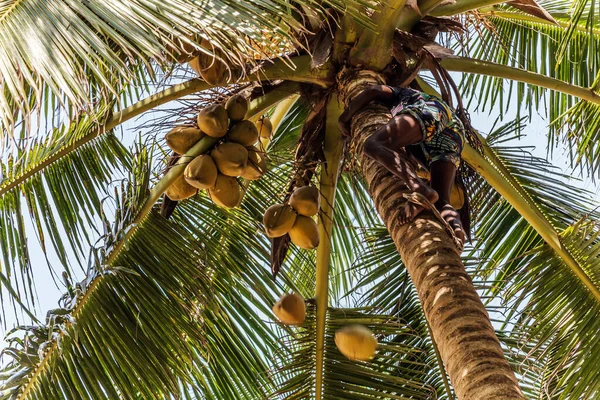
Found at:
(468, 345)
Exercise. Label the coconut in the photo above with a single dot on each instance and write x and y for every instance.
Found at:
(305, 233)
(290, 309)
(257, 164)
(457, 197)
(237, 107)
(226, 192)
(182, 49)
(230, 158)
(306, 200)
(180, 190)
(210, 67)
(244, 133)
(265, 127)
(279, 220)
(202, 172)
(182, 138)
(213, 120)
(356, 342)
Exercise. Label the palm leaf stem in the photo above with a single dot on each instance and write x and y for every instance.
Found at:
(462, 6)
(256, 106)
(296, 69)
(333, 148)
(469, 65)
(411, 16)
(496, 174)
(515, 16)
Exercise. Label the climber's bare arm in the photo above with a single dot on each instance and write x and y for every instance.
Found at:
(380, 93)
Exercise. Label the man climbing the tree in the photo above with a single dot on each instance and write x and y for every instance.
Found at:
(423, 123)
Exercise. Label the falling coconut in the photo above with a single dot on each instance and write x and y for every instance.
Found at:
(201, 172)
(237, 107)
(180, 189)
(213, 120)
(244, 133)
(305, 233)
(290, 309)
(226, 192)
(356, 342)
(279, 220)
(256, 166)
(182, 138)
(306, 200)
(230, 158)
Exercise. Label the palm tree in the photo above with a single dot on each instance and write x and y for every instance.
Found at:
(180, 308)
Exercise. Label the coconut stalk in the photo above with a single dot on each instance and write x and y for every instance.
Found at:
(462, 6)
(333, 148)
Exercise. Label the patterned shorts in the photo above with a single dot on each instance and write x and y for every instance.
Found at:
(443, 132)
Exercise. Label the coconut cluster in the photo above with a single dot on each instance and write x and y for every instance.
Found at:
(296, 218)
(235, 155)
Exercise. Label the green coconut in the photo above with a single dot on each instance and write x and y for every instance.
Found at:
(279, 220)
(237, 107)
(243, 132)
(231, 158)
(213, 120)
(182, 138)
(257, 164)
(201, 172)
(226, 192)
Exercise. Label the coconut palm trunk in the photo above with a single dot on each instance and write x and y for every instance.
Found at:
(460, 324)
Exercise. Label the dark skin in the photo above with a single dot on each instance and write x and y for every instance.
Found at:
(388, 147)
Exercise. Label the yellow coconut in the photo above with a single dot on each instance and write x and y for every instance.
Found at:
(305, 233)
(211, 67)
(306, 200)
(279, 220)
(290, 309)
(231, 158)
(226, 192)
(257, 164)
(244, 133)
(180, 189)
(265, 127)
(237, 107)
(201, 172)
(356, 342)
(457, 197)
(182, 138)
(213, 120)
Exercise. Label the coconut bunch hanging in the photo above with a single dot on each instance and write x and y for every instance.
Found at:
(234, 156)
(296, 218)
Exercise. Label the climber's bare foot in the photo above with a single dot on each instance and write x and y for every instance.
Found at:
(411, 210)
(451, 216)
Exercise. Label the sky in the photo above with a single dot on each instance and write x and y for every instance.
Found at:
(536, 131)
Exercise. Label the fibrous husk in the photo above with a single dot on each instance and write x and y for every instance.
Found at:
(231, 158)
(244, 133)
(306, 200)
(182, 49)
(237, 107)
(182, 138)
(279, 220)
(356, 342)
(305, 233)
(201, 172)
(210, 67)
(457, 197)
(180, 189)
(265, 127)
(213, 120)
(257, 164)
(226, 192)
(290, 309)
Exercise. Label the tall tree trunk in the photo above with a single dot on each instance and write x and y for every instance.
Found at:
(468, 345)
